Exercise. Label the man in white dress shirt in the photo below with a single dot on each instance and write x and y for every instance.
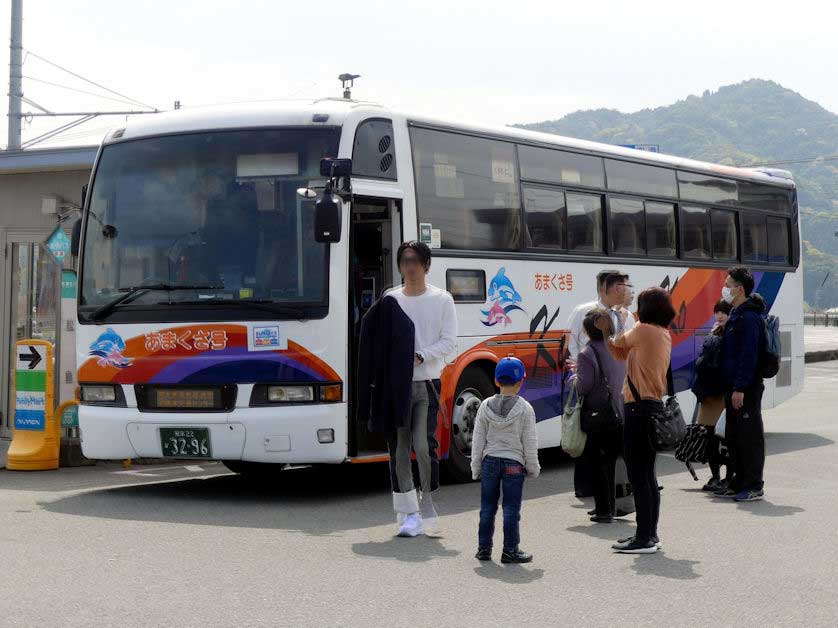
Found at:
(612, 288)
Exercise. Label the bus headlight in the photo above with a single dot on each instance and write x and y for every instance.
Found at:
(290, 394)
(101, 395)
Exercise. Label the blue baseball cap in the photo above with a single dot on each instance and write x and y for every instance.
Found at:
(509, 371)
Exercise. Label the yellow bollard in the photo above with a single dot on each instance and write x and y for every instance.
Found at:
(36, 433)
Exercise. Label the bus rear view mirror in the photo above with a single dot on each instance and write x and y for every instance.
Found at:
(327, 218)
(75, 238)
(333, 168)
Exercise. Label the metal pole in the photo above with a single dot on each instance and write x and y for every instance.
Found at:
(15, 75)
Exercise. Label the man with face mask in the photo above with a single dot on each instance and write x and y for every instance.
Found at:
(741, 342)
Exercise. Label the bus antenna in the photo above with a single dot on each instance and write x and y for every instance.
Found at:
(350, 79)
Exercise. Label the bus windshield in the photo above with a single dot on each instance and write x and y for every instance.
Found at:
(209, 221)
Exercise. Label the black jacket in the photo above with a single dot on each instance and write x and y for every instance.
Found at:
(709, 381)
(385, 367)
(741, 344)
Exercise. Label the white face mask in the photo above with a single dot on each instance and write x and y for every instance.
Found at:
(727, 295)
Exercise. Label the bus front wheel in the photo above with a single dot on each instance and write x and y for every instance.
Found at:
(474, 386)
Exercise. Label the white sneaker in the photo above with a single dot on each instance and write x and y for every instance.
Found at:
(412, 526)
(430, 518)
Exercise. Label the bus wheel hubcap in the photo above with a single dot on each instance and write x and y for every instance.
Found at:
(462, 424)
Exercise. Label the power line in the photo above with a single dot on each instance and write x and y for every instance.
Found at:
(80, 91)
(87, 80)
(791, 161)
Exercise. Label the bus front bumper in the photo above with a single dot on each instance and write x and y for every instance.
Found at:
(269, 434)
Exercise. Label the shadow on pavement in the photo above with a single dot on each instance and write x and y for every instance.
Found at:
(417, 550)
(660, 565)
(316, 501)
(509, 574)
(765, 508)
(610, 532)
(328, 500)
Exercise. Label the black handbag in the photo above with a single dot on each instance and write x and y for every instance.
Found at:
(605, 419)
(667, 420)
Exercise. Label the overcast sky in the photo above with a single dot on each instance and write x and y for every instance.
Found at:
(493, 61)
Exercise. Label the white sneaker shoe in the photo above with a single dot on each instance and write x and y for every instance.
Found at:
(412, 526)
(430, 518)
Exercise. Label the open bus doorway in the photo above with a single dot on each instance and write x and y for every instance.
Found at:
(375, 235)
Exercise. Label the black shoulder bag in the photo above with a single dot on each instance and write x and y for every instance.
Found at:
(605, 419)
(667, 421)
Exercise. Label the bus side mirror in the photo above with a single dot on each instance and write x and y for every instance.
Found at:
(75, 238)
(327, 219)
(334, 168)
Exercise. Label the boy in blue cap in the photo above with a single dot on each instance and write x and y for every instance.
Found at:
(503, 451)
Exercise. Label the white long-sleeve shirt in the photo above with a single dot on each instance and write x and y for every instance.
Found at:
(435, 322)
(578, 335)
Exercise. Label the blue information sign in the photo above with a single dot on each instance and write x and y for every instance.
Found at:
(58, 244)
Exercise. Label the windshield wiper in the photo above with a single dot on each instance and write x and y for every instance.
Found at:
(257, 304)
(130, 293)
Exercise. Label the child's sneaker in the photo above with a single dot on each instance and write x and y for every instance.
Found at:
(515, 556)
(412, 526)
(483, 553)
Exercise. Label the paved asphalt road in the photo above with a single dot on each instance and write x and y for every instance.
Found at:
(195, 546)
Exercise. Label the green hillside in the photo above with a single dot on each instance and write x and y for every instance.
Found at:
(754, 122)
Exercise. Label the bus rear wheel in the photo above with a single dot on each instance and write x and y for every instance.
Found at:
(474, 386)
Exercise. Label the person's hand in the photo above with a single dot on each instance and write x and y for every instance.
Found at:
(737, 400)
(603, 323)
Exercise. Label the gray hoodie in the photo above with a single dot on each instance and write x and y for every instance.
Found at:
(505, 428)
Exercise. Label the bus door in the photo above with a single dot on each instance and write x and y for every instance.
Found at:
(374, 238)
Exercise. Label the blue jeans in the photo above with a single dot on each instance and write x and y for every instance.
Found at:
(497, 472)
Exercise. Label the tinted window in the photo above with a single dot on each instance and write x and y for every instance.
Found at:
(584, 222)
(467, 187)
(702, 187)
(627, 226)
(630, 177)
(557, 166)
(660, 229)
(545, 216)
(767, 197)
(778, 241)
(695, 227)
(215, 209)
(754, 238)
(374, 152)
(724, 235)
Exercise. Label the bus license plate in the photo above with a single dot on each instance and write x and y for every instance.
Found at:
(185, 442)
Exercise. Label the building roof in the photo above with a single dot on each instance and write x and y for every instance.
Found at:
(47, 159)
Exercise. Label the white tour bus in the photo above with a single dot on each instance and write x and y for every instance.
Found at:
(223, 276)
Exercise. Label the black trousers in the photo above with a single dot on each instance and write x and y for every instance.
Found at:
(601, 453)
(745, 436)
(640, 464)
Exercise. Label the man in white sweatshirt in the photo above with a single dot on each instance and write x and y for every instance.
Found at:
(435, 321)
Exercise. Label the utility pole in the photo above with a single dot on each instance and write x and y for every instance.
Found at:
(15, 75)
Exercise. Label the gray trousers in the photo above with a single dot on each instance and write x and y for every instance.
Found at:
(413, 436)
